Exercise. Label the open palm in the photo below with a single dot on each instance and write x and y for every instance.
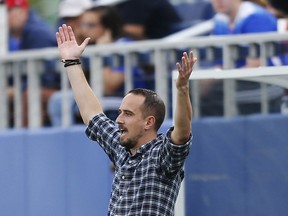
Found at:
(185, 69)
(67, 44)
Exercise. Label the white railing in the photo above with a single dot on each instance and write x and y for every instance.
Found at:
(3, 29)
(163, 55)
(276, 75)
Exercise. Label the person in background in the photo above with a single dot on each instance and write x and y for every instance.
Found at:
(236, 17)
(70, 12)
(25, 26)
(148, 166)
(144, 19)
(102, 24)
(280, 9)
(28, 31)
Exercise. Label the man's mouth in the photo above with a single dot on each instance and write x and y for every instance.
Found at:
(123, 131)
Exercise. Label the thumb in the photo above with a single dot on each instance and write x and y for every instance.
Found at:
(85, 43)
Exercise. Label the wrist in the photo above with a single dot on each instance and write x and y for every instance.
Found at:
(70, 62)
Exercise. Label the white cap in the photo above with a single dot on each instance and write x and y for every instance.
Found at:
(97, 3)
(73, 8)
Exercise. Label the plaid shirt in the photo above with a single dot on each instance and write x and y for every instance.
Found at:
(146, 183)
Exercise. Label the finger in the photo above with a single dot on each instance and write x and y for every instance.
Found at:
(178, 67)
(185, 55)
(183, 63)
(191, 57)
(71, 34)
(61, 33)
(186, 66)
(58, 38)
(85, 43)
(65, 30)
(192, 60)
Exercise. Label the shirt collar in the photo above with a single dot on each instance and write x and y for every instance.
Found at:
(147, 146)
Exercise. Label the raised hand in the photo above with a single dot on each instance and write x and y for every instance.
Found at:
(67, 44)
(185, 69)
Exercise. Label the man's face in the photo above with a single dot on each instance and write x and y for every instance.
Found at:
(131, 121)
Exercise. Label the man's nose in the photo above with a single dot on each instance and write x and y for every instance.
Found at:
(119, 119)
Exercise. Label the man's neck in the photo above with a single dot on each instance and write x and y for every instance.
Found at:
(142, 141)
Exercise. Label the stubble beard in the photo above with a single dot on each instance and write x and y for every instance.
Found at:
(129, 143)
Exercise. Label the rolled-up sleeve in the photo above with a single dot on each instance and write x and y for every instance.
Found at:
(105, 132)
(172, 156)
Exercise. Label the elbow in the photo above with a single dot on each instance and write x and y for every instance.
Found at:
(181, 138)
(85, 121)
(86, 118)
(184, 139)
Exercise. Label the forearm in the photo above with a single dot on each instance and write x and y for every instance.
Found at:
(86, 100)
(182, 116)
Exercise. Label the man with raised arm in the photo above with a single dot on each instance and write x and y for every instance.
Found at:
(148, 166)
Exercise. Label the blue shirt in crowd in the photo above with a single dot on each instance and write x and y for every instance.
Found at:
(251, 18)
(38, 34)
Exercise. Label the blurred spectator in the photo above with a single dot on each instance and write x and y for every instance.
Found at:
(280, 9)
(242, 17)
(103, 25)
(28, 31)
(143, 19)
(70, 13)
(238, 17)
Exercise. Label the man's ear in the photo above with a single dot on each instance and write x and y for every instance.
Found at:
(150, 122)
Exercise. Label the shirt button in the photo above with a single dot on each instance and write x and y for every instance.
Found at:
(129, 161)
(123, 177)
(143, 156)
(120, 197)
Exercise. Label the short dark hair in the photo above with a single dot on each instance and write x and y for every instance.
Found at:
(111, 19)
(281, 5)
(153, 105)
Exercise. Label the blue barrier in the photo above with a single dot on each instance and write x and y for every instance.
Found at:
(238, 167)
(235, 167)
(52, 172)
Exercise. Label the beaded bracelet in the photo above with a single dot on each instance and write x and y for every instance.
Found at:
(69, 62)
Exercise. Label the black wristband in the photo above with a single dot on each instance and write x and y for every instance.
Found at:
(69, 62)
